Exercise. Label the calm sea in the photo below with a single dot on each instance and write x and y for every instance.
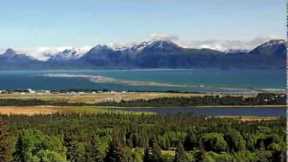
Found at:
(146, 80)
(216, 111)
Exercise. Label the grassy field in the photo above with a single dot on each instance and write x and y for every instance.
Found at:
(97, 97)
(15, 110)
(91, 99)
(47, 110)
(250, 118)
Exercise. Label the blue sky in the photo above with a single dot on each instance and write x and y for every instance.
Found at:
(34, 23)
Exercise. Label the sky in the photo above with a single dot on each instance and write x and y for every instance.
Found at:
(83, 23)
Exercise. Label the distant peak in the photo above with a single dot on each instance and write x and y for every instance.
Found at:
(275, 46)
(100, 47)
(10, 51)
(163, 43)
(274, 42)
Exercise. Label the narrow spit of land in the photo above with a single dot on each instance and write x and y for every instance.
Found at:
(71, 97)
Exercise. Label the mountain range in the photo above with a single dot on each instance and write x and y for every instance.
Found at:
(152, 54)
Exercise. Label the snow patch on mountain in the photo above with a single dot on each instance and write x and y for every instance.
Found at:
(69, 54)
(274, 42)
(45, 53)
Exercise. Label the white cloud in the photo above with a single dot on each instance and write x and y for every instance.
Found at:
(221, 45)
(163, 36)
(2, 50)
(44, 53)
(224, 45)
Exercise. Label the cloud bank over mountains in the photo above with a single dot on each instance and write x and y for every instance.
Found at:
(221, 45)
(44, 53)
(224, 45)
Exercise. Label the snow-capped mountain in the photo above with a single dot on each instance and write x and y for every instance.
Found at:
(272, 47)
(10, 59)
(272, 43)
(67, 55)
(150, 46)
(152, 54)
(9, 53)
(12, 56)
(165, 47)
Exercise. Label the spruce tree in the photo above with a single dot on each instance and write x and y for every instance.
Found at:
(190, 141)
(71, 153)
(19, 154)
(3, 142)
(115, 153)
(156, 150)
(200, 155)
(180, 154)
(93, 153)
(147, 155)
(153, 154)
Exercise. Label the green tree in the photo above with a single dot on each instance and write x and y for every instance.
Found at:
(93, 153)
(264, 156)
(115, 153)
(153, 154)
(200, 155)
(235, 140)
(71, 147)
(3, 142)
(147, 155)
(190, 141)
(50, 156)
(180, 155)
(214, 142)
(34, 146)
(19, 154)
(156, 152)
(214, 157)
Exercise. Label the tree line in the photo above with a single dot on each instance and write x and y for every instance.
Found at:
(260, 99)
(213, 100)
(115, 137)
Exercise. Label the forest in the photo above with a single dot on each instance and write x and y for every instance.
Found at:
(206, 100)
(260, 99)
(129, 137)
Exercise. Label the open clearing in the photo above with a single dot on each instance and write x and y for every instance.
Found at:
(13, 110)
(97, 97)
(47, 110)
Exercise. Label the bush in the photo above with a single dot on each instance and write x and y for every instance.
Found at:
(214, 142)
(34, 146)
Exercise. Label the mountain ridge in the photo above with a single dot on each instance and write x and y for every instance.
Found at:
(155, 54)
